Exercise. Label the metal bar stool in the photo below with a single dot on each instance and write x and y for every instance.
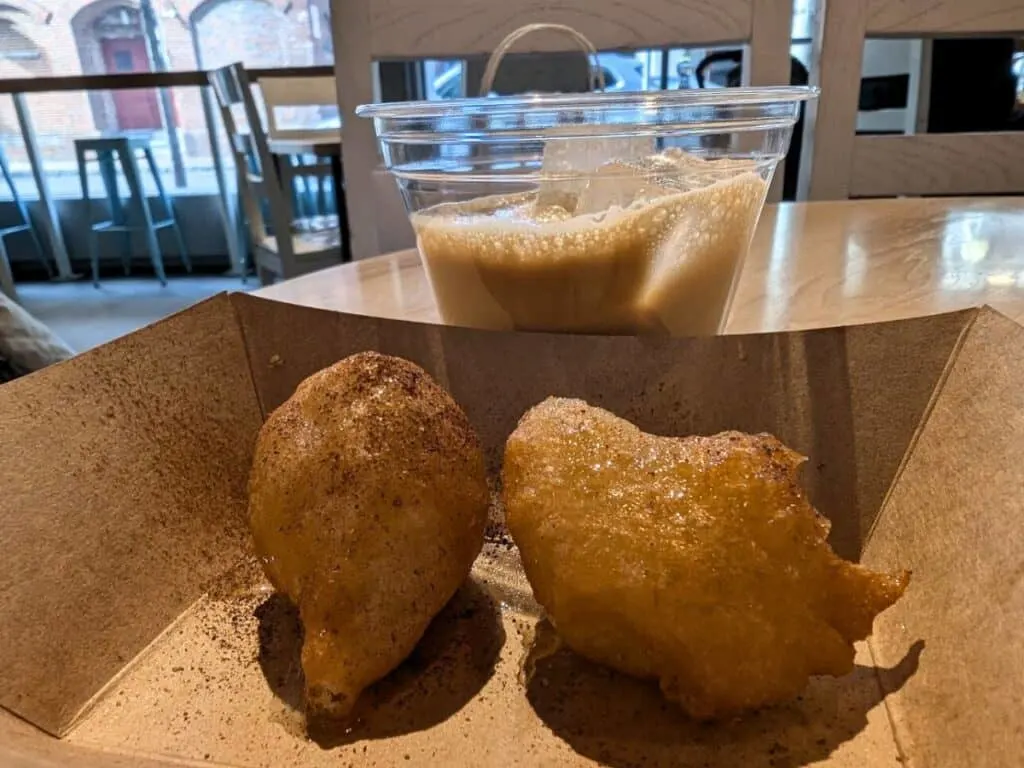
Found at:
(125, 149)
(26, 225)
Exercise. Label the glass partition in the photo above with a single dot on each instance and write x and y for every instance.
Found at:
(92, 37)
(182, 152)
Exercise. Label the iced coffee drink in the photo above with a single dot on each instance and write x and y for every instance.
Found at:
(648, 245)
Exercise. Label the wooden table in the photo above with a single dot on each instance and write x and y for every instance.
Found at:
(321, 144)
(811, 265)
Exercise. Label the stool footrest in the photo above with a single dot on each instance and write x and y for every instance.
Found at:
(110, 226)
(125, 216)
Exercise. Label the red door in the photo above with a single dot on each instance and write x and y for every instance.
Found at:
(136, 110)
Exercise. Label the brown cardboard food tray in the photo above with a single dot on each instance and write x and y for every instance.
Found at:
(135, 630)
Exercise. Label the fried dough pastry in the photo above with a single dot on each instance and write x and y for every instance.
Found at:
(695, 561)
(368, 499)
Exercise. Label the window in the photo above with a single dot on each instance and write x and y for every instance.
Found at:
(259, 33)
(183, 155)
(18, 49)
(443, 79)
(804, 12)
(73, 37)
(644, 70)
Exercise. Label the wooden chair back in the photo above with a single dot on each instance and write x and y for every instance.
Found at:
(839, 164)
(283, 94)
(366, 31)
(256, 175)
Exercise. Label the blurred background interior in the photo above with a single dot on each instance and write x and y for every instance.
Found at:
(129, 191)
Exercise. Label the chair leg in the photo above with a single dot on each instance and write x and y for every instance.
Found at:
(83, 179)
(186, 260)
(94, 256)
(248, 259)
(323, 205)
(266, 276)
(108, 172)
(166, 201)
(6, 278)
(131, 173)
(338, 179)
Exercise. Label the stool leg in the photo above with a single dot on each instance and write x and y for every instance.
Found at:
(26, 218)
(185, 259)
(6, 278)
(108, 172)
(131, 173)
(83, 179)
(94, 256)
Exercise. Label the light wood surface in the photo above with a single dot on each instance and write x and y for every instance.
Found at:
(935, 17)
(404, 28)
(320, 143)
(837, 164)
(365, 31)
(291, 92)
(811, 265)
(938, 164)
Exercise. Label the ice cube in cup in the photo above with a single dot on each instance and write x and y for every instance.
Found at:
(595, 213)
(620, 184)
(569, 166)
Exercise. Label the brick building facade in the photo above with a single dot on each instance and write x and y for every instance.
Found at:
(71, 37)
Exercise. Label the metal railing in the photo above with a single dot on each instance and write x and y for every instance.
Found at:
(129, 80)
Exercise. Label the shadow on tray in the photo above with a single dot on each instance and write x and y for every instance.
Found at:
(623, 722)
(450, 665)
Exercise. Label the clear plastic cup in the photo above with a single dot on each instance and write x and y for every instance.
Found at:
(596, 213)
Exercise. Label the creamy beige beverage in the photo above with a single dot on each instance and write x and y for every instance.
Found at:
(649, 246)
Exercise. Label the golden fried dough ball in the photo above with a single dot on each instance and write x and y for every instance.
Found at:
(695, 561)
(368, 499)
